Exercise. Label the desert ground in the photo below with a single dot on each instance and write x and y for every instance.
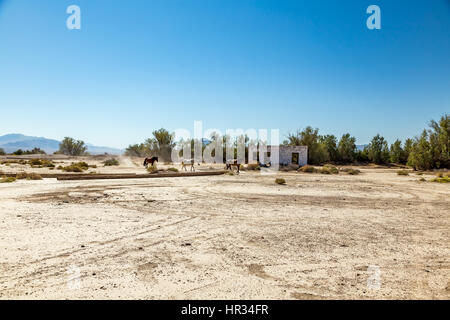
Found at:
(376, 235)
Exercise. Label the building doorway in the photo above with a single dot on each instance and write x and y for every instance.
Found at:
(295, 157)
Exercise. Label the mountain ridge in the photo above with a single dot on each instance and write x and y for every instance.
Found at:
(13, 141)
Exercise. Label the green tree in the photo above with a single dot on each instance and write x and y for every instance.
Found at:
(72, 147)
(161, 144)
(378, 150)
(137, 150)
(330, 143)
(363, 155)
(421, 157)
(317, 152)
(18, 152)
(347, 148)
(2, 152)
(407, 149)
(396, 153)
(439, 139)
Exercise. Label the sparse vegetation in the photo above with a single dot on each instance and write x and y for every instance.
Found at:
(173, 169)
(402, 173)
(34, 176)
(111, 162)
(280, 181)
(152, 169)
(329, 169)
(75, 167)
(445, 179)
(308, 169)
(351, 171)
(7, 179)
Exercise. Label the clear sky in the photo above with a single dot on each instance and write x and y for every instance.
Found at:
(139, 65)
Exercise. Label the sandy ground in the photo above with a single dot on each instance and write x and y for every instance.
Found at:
(375, 235)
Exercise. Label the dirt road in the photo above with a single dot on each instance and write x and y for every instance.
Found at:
(375, 235)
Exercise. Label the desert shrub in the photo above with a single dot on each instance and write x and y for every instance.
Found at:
(230, 173)
(173, 169)
(34, 176)
(402, 173)
(280, 181)
(422, 179)
(75, 167)
(7, 179)
(36, 162)
(94, 166)
(419, 173)
(21, 175)
(253, 166)
(111, 162)
(152, 169)
(308, 169)
(351, 171)
(329, 169)
(442, 180)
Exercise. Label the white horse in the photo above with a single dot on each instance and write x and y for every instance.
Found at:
(187, 162)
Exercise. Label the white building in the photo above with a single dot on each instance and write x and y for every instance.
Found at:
(289, 155)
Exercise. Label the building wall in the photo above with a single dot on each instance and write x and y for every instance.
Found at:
(285, 157)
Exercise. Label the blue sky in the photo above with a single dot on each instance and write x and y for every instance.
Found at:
(139, 65)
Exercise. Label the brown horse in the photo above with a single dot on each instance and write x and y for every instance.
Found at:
(233, 163)
(150, 161)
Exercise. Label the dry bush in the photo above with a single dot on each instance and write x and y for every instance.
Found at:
(28, 176)
(21, 175)
(35, 162)
(34, 176)
(445, 179)
(252, 166)
(402, 173)
(75, 167)
(329, 169)
(308, 169)
(7, 180)
(280, 181)
(173, 169)
(152, 169)
(351, 171)
(111, 162)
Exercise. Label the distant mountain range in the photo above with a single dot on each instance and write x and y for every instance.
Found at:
(13, 142)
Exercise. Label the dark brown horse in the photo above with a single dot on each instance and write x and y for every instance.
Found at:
(233, 163)
(150, 161)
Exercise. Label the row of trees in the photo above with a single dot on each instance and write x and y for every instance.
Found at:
(428, 151)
